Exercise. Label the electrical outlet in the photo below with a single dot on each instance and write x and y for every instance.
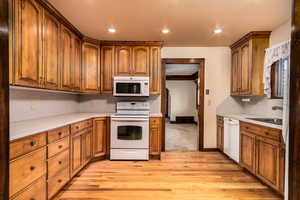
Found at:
(33, 106)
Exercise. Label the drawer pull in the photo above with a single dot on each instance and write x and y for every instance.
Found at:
(32, 168)
(77, 127)
(59, 180)
(32, 143)
(60, 146)
(59, 133)
(267, 133)
(60, 162)
(32, 198)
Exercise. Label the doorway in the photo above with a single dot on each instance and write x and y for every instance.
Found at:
(183, 104)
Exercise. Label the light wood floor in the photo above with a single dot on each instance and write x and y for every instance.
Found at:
(179, 175)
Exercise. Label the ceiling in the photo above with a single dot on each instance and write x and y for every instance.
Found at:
(181, 69)
(191, 21)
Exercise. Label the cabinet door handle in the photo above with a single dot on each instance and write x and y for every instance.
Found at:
(60, 162)
(32, 168)
(60, 146)
(267, 133)
(59, 133)
(32, 198)
(32, 143)
(59, 180)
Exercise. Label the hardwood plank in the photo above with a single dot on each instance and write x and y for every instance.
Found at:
(178, 175)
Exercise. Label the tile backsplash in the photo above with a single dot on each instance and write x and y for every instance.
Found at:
(28, 104)
(259, 106)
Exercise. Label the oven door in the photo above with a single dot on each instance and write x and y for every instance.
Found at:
(129, 133)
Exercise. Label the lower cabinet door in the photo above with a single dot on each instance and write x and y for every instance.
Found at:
(100, 136)
(87, 147)
(76, 154)
(36, 191)
(269, 162)
(247, 150)
(220, 137)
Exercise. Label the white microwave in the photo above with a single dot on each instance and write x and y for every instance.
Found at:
(131, 86)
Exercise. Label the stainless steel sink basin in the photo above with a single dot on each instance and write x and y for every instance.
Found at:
(268, 120)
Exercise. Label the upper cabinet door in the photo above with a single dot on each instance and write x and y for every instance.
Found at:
(140, 61)
(51, 51)
(76, 68)
(123, 61)
(235, 73)
(28, 61)
(66, 62)
(155, 70)
(107, 66)
(245, 69)
(91, 68)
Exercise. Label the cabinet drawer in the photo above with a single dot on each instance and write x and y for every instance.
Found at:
(58, 162)
(26, 169)
(36, 191)
(26, 145)
(57, 134)
(80, 125)
(58, 146)
(57, 182)
(262, 131)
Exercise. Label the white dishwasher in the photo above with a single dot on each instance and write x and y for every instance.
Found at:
(232, 138)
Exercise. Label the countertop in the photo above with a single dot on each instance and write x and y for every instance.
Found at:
(26, 128)
(244, 118)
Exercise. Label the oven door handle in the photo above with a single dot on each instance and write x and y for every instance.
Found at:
(129, 120)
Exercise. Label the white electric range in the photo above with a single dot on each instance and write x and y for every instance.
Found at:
(130, 131)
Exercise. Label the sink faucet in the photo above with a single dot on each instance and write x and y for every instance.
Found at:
(277, 108)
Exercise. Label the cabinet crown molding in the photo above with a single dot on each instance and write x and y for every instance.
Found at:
(251, 35)
(131, 43)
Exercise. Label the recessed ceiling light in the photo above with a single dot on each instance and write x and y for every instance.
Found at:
(218, 30)
(165, 31)
(111, 30)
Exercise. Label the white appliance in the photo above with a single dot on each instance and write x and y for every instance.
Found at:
(131, 86)
(232, 138)
(129, 138)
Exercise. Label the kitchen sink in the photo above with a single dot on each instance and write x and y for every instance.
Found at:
(268, 120)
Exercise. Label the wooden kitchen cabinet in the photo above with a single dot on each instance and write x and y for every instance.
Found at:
(155, 136)
(220, 133)
(87, 146)
(107, 67)
(28, 44)
(76, 67)
(51, 51)
(66, 59)
(76, 154)
(247, 150)
(123, 61)
(248, 64)
(140, 61)
(91, 68)
(155, 70)
(270, 162)
(100, 136)
(262, 152)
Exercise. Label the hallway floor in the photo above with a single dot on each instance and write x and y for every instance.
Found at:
(177, 176)
(181, 137)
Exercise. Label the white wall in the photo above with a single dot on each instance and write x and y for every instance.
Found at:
(182, 98)
(281, 33)
(26, 104)
(217, 80)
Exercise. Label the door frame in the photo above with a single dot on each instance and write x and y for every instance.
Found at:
(201, 62)
(4, 99)
(294, 132)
